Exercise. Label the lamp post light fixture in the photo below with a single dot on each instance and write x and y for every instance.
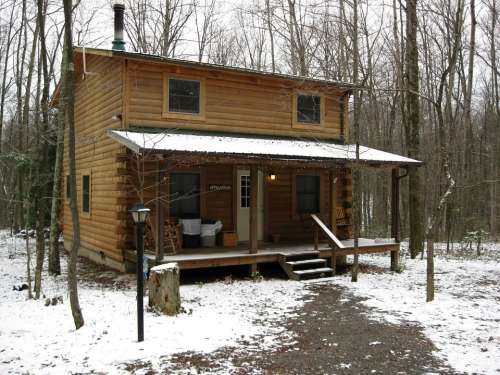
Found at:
(139, 215)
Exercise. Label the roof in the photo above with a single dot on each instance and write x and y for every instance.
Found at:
(203, 65)
(250, 146)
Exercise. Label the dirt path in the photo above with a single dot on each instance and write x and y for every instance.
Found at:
(333, 336)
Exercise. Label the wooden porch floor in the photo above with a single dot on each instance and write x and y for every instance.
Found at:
(267, 253)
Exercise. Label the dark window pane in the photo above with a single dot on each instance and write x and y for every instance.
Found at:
(67, 187)
(183, 96)
(307, 189)
(185, 195)
(309, 109)
(86, 193)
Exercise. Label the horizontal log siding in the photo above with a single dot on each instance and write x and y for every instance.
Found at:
(281, 216)
(97, 98)
(234, 103)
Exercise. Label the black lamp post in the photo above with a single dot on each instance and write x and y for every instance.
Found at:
(140, 214)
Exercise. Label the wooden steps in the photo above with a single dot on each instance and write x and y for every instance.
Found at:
(307, 265)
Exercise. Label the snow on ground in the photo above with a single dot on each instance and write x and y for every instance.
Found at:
(39, 339)
(464, 319)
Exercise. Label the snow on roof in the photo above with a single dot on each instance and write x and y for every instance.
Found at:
(173, 140)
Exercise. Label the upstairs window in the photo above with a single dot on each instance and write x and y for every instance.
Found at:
(307, 190)
(183, 96)
(308, 109)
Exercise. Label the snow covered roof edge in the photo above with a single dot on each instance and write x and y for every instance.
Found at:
(174, 140)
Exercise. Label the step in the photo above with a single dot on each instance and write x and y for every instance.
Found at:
(306, 263)
(301, 256)
(313, 271)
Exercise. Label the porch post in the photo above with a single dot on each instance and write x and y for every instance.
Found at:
(254, 220)
(395, 216)
(333, 202)
(333, 214)
(160, 221)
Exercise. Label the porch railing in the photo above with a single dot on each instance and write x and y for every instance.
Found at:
(333, 240)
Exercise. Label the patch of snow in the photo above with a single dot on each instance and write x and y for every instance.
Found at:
(42, 340)
(164, 267)
(464, 319)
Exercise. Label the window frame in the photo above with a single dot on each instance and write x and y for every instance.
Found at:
(86, 214)
(295, 205)
(166, 113)
(322, 110)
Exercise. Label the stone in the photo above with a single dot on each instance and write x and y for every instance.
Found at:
(163, 284)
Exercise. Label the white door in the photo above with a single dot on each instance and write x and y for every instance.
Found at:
(243, 204)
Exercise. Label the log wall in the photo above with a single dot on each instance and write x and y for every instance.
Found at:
(98, 97)
(242, 103)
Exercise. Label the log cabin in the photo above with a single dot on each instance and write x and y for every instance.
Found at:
(265, 154)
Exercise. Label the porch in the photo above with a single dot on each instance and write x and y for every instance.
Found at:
(270, 253)
(256, 187)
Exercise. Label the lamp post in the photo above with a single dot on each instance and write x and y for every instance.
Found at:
(139, 215)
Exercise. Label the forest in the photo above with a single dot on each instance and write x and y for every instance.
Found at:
(444, 110)
(425, 84)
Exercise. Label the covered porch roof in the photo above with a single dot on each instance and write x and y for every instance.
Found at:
(251, 147)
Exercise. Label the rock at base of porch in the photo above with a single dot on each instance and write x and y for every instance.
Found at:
(163, 286)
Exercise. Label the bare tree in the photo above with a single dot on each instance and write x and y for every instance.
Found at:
(204, 22)
(67, 70)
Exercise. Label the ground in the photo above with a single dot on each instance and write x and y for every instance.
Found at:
(234, 325)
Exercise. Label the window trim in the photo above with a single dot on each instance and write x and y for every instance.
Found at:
(304, 125)
(183, 115)
(87, 172)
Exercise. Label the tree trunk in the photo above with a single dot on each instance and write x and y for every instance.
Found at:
(413, 134)
(356, 207)
(163, 287)
(68, 72)
(54, 260)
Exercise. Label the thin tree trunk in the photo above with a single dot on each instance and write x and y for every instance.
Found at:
(68, 72)
(271, 35)
(4, 74)
(431, 233)
(27, 243)
(495, 157)
(356, 208)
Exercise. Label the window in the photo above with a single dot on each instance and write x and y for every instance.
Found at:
(86, 193)
(309, 109)
(307, 190)
(185, 195)
(68, 191)
(244, 191)
(183, 96)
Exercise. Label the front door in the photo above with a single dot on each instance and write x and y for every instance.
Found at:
(243, 204)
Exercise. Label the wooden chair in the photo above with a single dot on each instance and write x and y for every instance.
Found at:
(341, 216)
